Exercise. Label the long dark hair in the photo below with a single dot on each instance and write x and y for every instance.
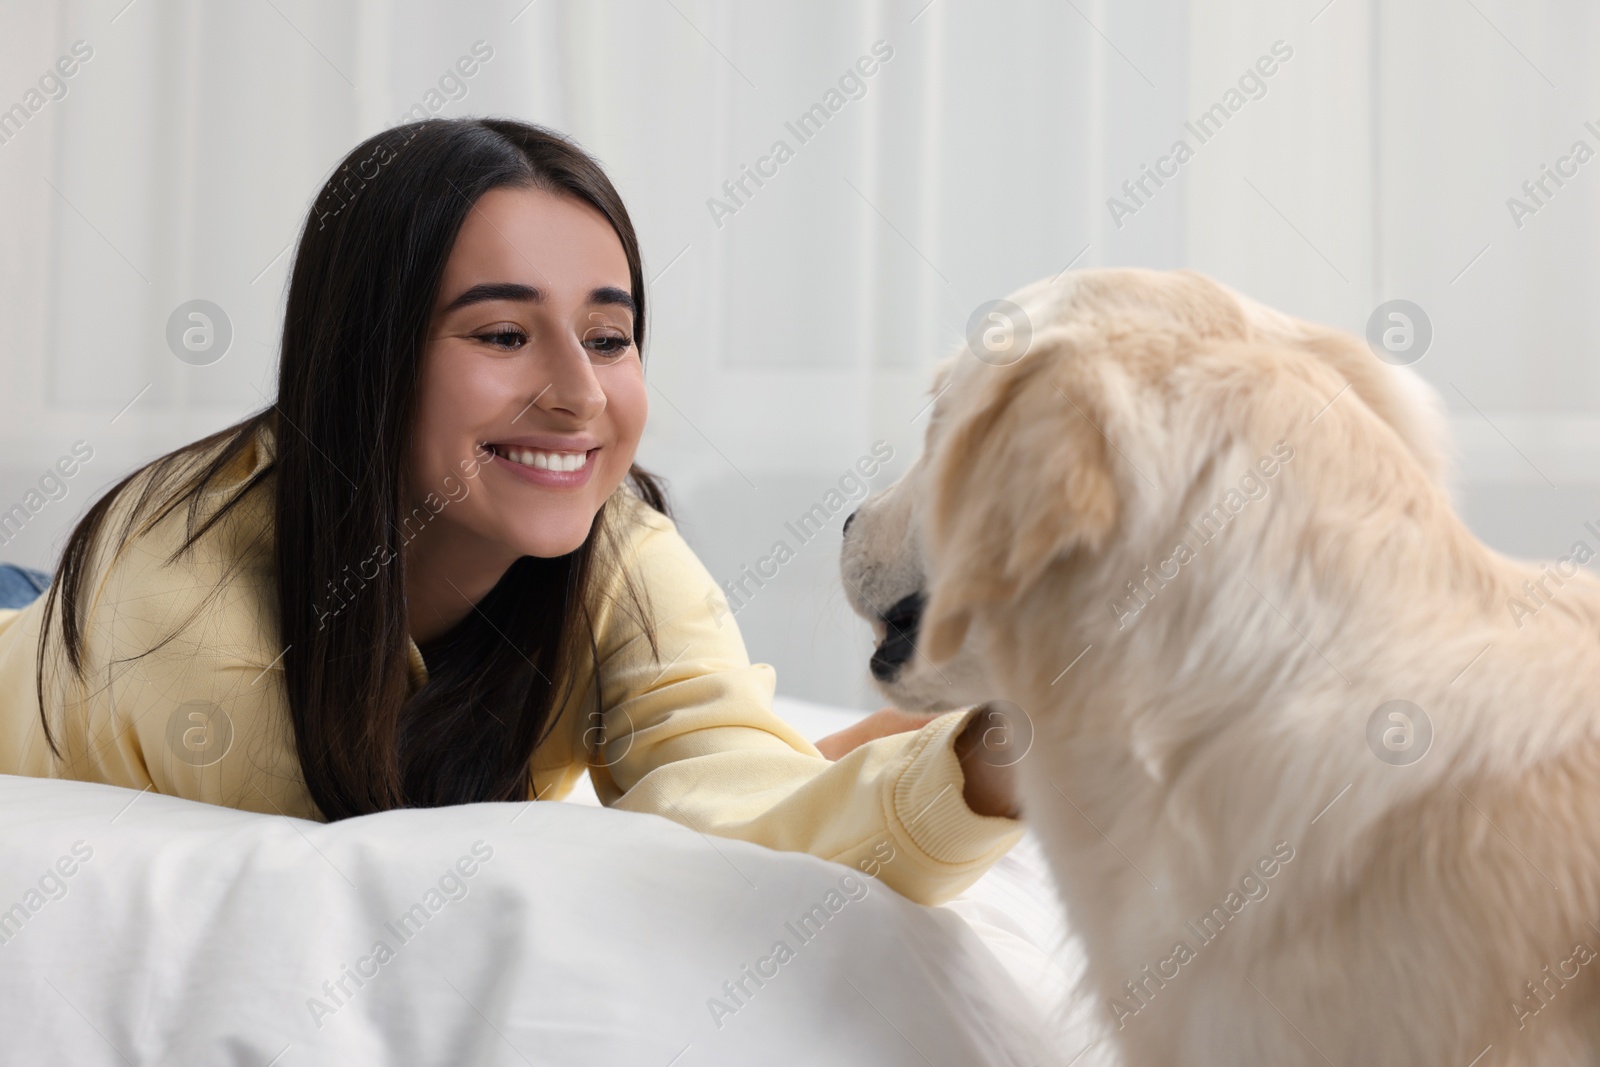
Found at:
(365, 279)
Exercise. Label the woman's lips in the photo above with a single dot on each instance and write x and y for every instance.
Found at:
(554, 470)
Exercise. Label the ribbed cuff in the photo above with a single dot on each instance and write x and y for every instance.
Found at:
(930, 804)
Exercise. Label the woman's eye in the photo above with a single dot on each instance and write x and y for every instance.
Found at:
(509, 340)
(608, 346)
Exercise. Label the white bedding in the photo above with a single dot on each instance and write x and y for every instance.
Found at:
(142, 929)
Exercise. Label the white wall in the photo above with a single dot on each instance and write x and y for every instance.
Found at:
(799, 331)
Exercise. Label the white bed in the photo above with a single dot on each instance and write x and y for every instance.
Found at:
(142, 929)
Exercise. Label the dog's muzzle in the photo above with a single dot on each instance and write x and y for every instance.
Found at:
(900, 640)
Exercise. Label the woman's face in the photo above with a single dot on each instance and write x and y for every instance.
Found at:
(532, 396)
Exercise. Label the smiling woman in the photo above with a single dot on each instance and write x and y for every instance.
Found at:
(449, 461)
(529, 362)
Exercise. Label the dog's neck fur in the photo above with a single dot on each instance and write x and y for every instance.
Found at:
(1256, 737)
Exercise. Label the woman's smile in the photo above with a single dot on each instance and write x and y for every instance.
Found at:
(546, 461)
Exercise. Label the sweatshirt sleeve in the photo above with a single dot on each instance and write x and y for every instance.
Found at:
(181, 691)
(692, 736)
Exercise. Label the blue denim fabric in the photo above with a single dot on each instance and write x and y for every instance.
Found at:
(20, 586)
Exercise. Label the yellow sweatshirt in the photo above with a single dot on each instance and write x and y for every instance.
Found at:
(692, 737)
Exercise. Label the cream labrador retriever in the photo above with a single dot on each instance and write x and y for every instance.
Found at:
(1318, 773)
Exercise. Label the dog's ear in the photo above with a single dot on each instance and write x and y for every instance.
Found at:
(1019, 479)
(1396, 395)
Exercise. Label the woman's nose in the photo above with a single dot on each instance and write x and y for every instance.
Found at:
(574, 388)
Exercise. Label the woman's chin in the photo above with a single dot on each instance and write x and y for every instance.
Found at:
(553, 540)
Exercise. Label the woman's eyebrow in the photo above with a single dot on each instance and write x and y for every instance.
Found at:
(527, 294)
(486, 291)
(609, 294)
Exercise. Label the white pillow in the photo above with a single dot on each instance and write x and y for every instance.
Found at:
(140, 928)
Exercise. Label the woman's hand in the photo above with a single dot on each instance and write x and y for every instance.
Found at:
(988, 754)
(984, 749)
(878, 724)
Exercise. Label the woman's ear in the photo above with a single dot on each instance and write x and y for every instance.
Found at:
(1018, 480)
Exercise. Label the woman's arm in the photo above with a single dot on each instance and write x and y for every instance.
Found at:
(982, 749)
(181, 691)
(693, 737)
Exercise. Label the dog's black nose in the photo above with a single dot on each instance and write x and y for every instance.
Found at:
(900, 640)
(848, 519)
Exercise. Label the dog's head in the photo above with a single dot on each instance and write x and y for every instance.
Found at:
(1141, 395)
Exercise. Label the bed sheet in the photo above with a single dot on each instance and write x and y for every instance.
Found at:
(142, 929)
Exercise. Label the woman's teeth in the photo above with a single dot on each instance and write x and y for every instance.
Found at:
(545, 461)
